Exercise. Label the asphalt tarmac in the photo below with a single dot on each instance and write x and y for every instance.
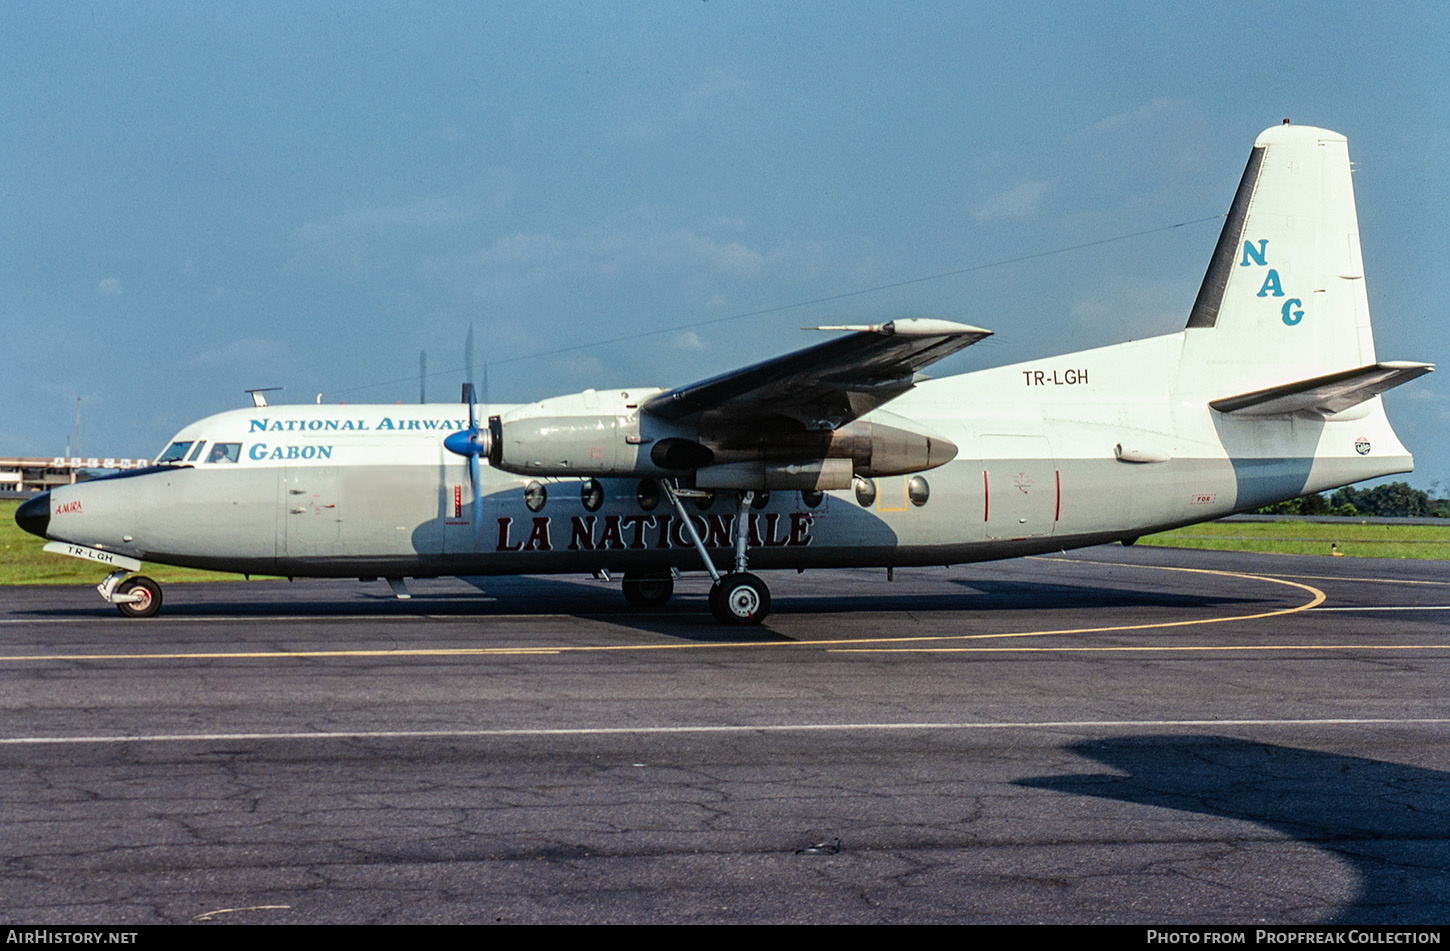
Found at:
(1112, 735)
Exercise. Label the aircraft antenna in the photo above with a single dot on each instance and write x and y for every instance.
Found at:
(829, 298)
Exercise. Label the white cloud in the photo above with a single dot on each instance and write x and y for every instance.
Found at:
(111, 285)
(1024, 201)
(249, 351)
(1419, 392)
(1149, 150)
(1152, 115)
(732, 256)
(521, 249)
(431, 213)
(611, 252)
(720, 83)
(581, 369)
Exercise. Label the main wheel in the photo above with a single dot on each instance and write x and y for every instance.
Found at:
(648, 589)
(149, 593)
(740, 599)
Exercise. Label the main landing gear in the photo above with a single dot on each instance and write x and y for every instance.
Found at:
(648, 589)
(137, 596)
(739, 598)
(736, 597)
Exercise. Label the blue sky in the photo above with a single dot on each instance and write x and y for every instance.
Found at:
(201, 198)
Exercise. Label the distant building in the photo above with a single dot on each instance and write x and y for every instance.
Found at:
(24, 474)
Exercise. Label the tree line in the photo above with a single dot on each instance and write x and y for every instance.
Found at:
(1394, 500)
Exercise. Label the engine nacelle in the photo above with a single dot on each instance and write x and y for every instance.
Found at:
(591, 434)
(580, 435)
(882, 445)
(569, 446)
(896, 450)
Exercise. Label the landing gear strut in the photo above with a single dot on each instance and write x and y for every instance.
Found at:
(137, 596)
(737, 597)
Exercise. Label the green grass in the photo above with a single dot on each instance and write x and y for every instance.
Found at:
(23, 561)
(1353, 539)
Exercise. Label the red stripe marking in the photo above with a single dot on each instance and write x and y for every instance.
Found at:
(985, 500)
(1058, 514)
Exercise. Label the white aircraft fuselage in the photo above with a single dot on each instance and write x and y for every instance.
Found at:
(1270, 392)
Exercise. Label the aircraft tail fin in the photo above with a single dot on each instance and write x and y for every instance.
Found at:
(1284, 295)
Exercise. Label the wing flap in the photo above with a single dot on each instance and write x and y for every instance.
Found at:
(1325, 395)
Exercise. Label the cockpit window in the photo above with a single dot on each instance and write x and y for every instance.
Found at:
(175, 452)
(196, 452)
(224, 452)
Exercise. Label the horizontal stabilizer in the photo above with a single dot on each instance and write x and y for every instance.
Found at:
(1325, 395)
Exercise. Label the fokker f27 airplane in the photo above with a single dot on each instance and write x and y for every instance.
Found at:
(832, 456)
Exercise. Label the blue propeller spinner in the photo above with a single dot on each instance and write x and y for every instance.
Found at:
(472, 443)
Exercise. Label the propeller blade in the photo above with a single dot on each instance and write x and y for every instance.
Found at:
(468, 399)
(471, 443)
(468, 358)
(476, 477)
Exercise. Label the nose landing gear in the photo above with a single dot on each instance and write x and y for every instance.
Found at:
(137, 596)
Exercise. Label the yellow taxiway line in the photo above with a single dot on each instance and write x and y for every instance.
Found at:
(1145, 650)
(1317, 598)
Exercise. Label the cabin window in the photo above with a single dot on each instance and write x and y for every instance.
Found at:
(591, 493)
(175, 452)
(761, 500)
(224, 452)
(535, 496)
(865, 491)
(648, 494)
(196, 452)
(812, 498)
(703, 502)
(917, 490)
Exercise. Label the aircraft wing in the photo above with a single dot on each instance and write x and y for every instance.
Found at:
(824, 386)
(1326, 395)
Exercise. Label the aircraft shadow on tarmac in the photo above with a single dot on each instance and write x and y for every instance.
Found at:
(1389, 821)
(590, 598)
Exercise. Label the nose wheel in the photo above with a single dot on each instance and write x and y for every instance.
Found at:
(137, 596)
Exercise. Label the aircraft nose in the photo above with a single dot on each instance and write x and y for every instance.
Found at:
(34, 514)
